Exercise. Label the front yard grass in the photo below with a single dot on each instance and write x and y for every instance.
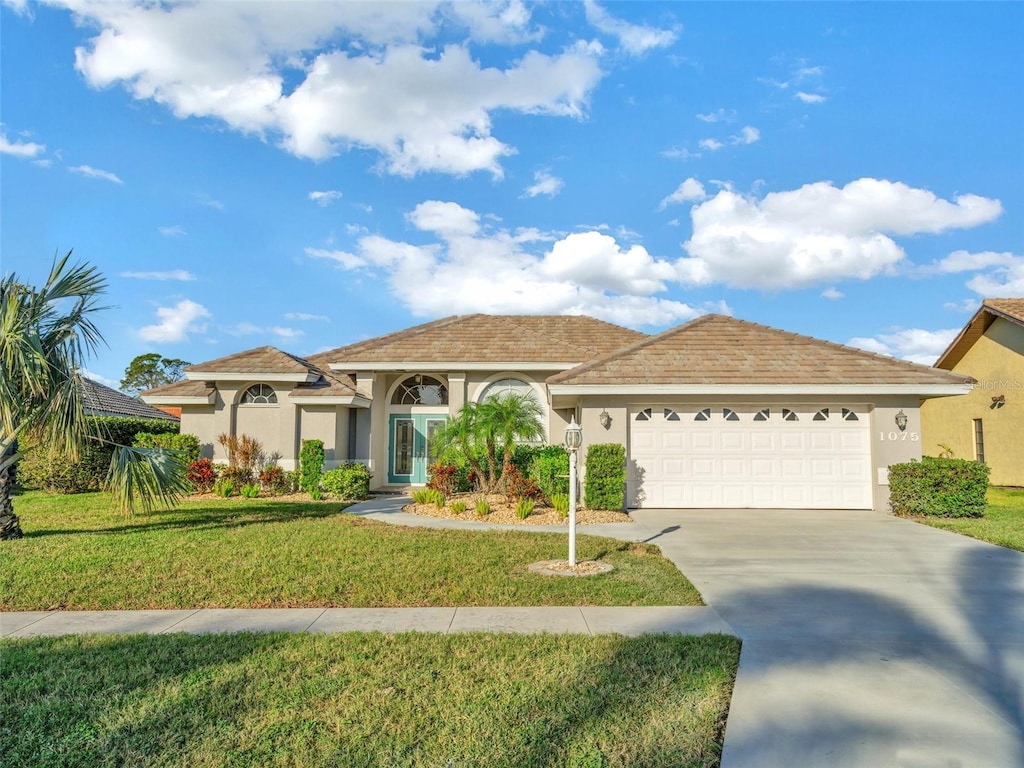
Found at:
(366, 699)
(1003, 523)
(80, 554)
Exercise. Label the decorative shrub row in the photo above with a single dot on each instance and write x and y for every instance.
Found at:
(938, 487)
(187, 444)
(54, 471)
(550, 468)
(311, 466)
(350, 481)
(605, 486)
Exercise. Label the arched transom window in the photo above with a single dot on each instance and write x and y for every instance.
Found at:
(259, 394)
(420, 390)
(505, 386)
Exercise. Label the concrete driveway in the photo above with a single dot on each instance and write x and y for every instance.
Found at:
(868, 640)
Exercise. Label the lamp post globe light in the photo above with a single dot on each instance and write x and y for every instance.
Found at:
(573, 440)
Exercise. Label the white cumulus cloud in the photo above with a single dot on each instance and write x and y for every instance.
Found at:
(367, 75)
(20, 148)
(688, 191)
(818, 233)
(809, 98)
(711, 145)
(748, 135)
(1000, 274)
(305, 317)
(172, 231)
(635, 39)
(913, 344)
(325, 197)
(472, 267)
(832, 294)
(95, 173)
(176, 323)
(544, 184)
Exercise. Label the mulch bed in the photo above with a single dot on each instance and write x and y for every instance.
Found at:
(504, 513)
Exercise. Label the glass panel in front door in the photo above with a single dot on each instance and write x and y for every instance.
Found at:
(433, 425)
(405, 435)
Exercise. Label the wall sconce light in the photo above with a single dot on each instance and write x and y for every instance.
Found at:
(605, 419)
(901, 420)
(998, 401)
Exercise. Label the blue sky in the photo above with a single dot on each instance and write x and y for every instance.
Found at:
(308, 174)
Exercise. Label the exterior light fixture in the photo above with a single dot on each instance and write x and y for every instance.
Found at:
(573, 441)
(901, 420)
(605, 418)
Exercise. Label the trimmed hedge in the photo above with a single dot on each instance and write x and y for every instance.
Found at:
(350, 482)
(311, 465)
(550, 468)
(53, 471)
(938, 488)
(605, 486)
(187, 444)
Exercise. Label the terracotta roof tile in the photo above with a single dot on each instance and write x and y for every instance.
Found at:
(715, 349)
(491, 338)
(988, 312)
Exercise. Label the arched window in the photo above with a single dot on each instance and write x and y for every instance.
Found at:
(420, 390)
(259, 394)
(505, 386)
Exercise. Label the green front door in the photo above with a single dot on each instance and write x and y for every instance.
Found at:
(412, 448)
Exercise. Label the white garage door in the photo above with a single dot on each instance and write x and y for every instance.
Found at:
(759, 457)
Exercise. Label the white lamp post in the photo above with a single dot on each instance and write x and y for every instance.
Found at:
(573, 440)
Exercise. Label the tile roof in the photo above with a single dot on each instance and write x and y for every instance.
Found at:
(492, 338)
(101, 400)
(259, 360)
(184, 388)
(716, 349)
(988, 312)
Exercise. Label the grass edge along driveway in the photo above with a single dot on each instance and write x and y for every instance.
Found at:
(80, 554)
(1003, 523)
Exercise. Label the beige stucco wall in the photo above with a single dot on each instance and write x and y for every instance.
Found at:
(329, 424)
(997, 361)
(888, 444)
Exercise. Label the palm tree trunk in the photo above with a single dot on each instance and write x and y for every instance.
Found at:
(10, 526)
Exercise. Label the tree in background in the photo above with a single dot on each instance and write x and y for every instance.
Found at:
(151, 370)
(46, 334)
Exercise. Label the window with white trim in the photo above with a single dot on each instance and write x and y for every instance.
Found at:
(789, 415)
(506, 386)
(704, 415)
(671, 415)
(730, 415)
(849, 415)
(259, 394)
(821, 415)
(763, 415)
(644, 415)
(420, 390)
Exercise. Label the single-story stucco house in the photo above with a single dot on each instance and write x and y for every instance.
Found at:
(717, 412)
(988, 424)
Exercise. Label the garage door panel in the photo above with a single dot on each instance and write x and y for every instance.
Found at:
(745, 463)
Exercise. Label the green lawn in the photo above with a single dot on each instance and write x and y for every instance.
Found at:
(365, 699)
(80, 554)
(1002, 524)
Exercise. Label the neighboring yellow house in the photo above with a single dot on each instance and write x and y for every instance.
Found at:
(987, 424)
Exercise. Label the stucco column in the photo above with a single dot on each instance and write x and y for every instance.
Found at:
(456, 392)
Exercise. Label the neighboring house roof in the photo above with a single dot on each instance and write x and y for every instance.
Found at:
(721, 350)
(183, 391)
(489, 339)
(990, 310)
(100, 400)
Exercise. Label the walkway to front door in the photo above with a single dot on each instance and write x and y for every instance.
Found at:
(411, 446)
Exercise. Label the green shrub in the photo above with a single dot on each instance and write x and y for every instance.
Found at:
(550, 469)
(275, 481)
(224, 488)
(250, 490)
(420, 495)
(311, 465)
(350, 482)
(560, 501)
(523, 457)
(187, 444)
(482, 507)
(49, 470)
(450, 478)
(938, 487)
(458, 507)
(524, 508)
(606, 476)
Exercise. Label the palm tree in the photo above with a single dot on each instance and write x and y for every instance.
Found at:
(45, 336)
(459, 438)
(509, 418)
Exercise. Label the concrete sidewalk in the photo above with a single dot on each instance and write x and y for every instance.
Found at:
(572, 620)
